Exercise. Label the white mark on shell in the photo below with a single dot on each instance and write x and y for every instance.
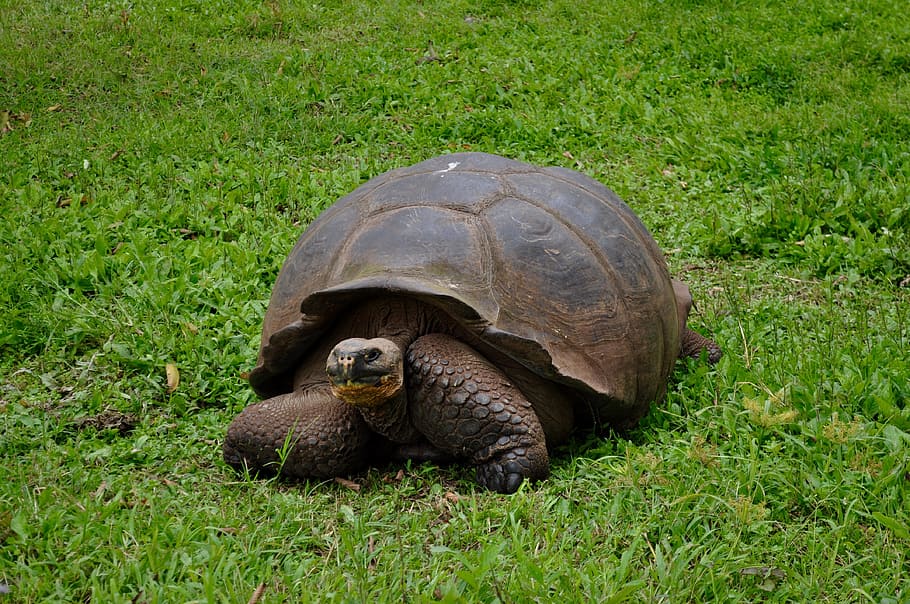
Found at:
(452, 166)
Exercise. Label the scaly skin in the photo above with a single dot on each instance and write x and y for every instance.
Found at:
(466, 406)
(326, 437)
(693, 343)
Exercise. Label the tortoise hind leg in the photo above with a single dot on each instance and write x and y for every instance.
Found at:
(466, 406)
(302, 434)
(691, 342)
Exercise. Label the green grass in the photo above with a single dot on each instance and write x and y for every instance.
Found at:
(159, 159)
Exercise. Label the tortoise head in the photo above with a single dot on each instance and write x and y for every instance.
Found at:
(365, 373)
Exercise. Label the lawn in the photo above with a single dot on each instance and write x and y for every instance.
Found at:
(159, 159)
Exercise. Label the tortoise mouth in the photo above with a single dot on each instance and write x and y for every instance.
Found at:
(366, 391)
(355, 372)
(356, 381)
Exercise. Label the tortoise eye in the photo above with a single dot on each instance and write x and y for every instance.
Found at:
(372, 355)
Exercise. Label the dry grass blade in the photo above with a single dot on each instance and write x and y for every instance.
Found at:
(257, 594)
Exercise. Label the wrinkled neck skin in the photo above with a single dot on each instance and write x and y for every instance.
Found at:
(400, 321)
(391, 419)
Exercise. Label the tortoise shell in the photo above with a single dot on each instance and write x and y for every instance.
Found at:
(546, 265)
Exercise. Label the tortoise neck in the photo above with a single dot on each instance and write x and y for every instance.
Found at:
(400, 320)
(391, 419)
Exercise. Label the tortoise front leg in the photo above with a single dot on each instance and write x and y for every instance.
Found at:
(467, 407)
(302, 434)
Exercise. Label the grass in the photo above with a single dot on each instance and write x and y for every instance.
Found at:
(159, 159)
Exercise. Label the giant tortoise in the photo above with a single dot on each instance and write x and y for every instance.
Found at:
(469, 307)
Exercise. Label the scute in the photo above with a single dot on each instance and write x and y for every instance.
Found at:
(543, 267)
(612, 232)
(544, 264)
(423, 236)
(452, 189)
